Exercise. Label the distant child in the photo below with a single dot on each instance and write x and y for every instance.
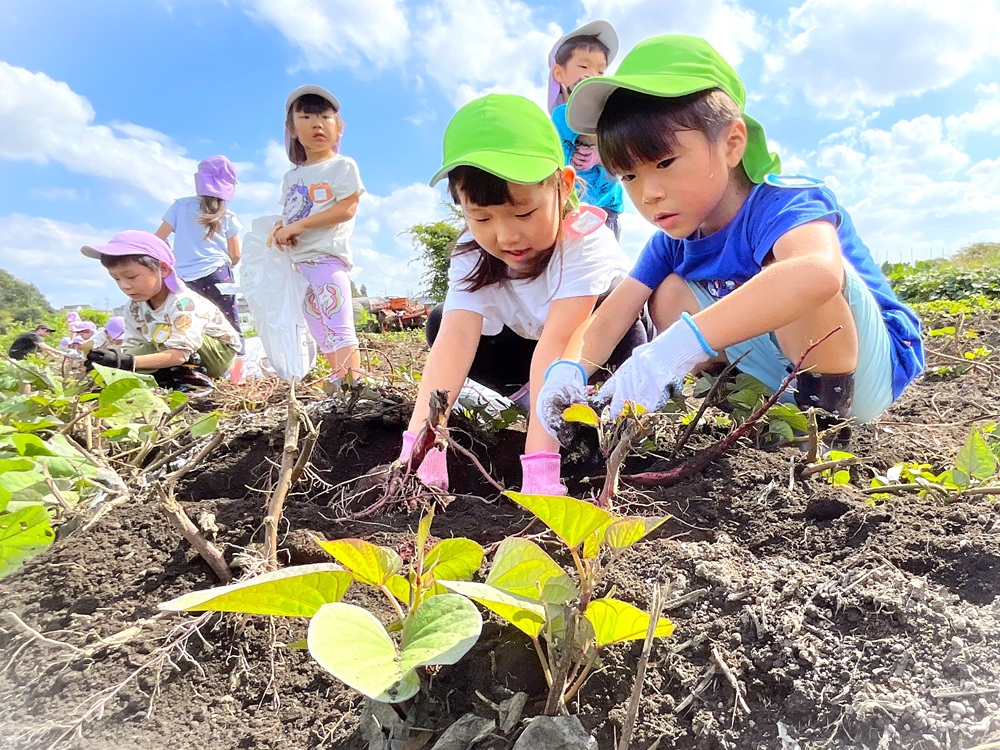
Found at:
(30, 342)
(747, 262)
(528, 271)
(111, 336)
(320, 196)
(583, 53)
(171, 332)
(206, 241)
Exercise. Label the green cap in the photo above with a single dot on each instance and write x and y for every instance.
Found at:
(505, 135)
(670, 66)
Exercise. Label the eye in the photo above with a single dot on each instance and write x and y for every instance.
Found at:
(626, 177)
(526, 215)
(666, 162)
(481, 221)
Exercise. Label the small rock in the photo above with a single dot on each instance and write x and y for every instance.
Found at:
(464, 732)
(555, 733)
(957, 707)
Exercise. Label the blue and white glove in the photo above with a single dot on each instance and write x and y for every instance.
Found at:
(655, 372)
(565, 385)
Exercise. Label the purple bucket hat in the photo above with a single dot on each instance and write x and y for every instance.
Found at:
(603, 30)
(216, 176)
(79, 326)
(136, 242)
(115, 327)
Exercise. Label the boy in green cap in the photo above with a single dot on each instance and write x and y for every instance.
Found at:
(525, 274)
(748, 263)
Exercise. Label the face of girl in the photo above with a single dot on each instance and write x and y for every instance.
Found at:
(138, 282)
(519, 231)
(317, 133)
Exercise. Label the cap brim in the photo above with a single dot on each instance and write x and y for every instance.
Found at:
(526, 170)
(603, 30)
(310, 89)
(589, 96)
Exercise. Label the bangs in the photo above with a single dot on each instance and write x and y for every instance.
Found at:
(585, 42)
(311, 104)
(478, 186)
(636, 128)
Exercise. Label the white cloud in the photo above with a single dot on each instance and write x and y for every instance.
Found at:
(846, 54)
(59, 194)
(729, 27)
(367, 34)
(984, 117)
(276, 160)
(475, 47)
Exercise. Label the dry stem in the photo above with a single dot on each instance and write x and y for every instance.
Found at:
(655, 610)
(179, 520)
(277, 500)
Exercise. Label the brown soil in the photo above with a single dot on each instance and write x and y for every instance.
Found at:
(846, 625)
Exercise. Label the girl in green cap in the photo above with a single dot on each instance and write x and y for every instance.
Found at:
(527, 271)
(748, 263)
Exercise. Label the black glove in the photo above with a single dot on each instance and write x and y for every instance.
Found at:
(110, 358)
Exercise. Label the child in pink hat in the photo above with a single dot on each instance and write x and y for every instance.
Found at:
(206, 235)
(171, 332)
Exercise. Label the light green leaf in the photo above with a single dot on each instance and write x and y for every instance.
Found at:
(623, 534)
(522, 568)
(441, 631)
(293, 592)
(368, 562)
(205, 425)
(399, 587)
(177, 398)
(975, 458)
(572, 520)
(128, 400)
(841, 476)
(794, 417)
(424, 530)
(454, 559)
(616, 621)
(109, 375)
(23, 534)
(523, 613)
(26, 487)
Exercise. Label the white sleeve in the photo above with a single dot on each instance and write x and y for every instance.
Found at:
(346, 179)
(590, 265)
(458, 298)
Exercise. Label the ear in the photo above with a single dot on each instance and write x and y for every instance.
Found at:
(567, 181)
(735, 142)
(559, 74)
(165, 269)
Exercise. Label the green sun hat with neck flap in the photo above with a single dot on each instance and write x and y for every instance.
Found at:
(671, 66)
(503, 134)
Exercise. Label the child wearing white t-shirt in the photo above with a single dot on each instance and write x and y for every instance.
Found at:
(530, 269)
(320, 197)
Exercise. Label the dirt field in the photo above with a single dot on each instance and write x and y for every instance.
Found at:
(846, 625)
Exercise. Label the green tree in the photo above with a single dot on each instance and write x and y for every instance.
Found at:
(21, 303)
(364, 291)
(434, 242)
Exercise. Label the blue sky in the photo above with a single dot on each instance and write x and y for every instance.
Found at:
(106, 106)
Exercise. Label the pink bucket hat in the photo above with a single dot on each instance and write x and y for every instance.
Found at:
(115, 327)
(216, 176)
(137, 242)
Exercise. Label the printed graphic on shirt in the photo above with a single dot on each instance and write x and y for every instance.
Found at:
(298, 203)
(719, 288)
(182, 322)
(161, 332)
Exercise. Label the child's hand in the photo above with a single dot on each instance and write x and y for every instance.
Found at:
(285, 235)
(565, 385)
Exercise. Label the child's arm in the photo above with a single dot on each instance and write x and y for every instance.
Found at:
(166, 358)
(338, 213)
(233, 248)
(596, 338)
(164, 231)
(565, 318)
(448, 362)
(808, 270)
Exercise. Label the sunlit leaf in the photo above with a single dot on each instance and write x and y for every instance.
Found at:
(616, 621)
(368, 562)
(23, 534)
(523, 613)
(624, 533)
(572, 520)
(522, 568)
(581, 413)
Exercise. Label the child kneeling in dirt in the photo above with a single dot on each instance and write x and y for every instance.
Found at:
(528, 271)
(182, 339)
(748, 263)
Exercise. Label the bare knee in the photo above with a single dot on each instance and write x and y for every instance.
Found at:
(671, 298)
(838, 353)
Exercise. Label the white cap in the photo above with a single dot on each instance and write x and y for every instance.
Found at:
(311, 89)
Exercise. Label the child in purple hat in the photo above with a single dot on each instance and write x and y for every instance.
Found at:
(111, 336)
(206, 241)
(170, 332)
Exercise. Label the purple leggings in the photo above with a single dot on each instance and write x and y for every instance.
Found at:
(328, 305)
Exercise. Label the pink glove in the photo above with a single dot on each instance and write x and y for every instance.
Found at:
(433, 470)
(541, 474)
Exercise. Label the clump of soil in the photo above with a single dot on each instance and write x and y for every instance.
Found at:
(842, 624)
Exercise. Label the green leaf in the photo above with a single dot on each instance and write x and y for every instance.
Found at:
(523, 613)
(355, 648)
(368, 562)
(976, 458)
(572, 520)
(205, 425)
(616, 621)
(424, 531)
(789, 414)
(581, 413)
(454, 559)
(399, 587)
(26, 487)
(128, 400)
(841, 476)
(624, 533)
(522, 568)
(23, 534)
(108, 375)
(293, 592)
(177, 398)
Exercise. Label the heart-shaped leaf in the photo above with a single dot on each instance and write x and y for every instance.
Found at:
(368, 562)
(522, 568)
(524, 614)
(23, 534)
(616, 621)
(454, 559)
(572, 520)
(625, 532)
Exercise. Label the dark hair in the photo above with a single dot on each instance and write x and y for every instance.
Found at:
(309, 104)
(636, 128)
(485, 189)
(213, 211)
(113, 261)
(585, 42)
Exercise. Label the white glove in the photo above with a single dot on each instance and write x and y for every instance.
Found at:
(655, 371)
(565, 384)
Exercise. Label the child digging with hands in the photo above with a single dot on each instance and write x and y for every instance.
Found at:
(581, 54)
(526, 273)
(320, 196)
(746, 263)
